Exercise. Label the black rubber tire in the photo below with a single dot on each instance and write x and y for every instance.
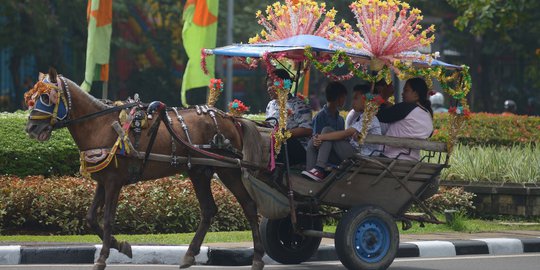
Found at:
(285, 246)
(372, 222)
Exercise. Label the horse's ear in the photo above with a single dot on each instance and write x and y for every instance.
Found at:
(41, 76)
(52, 74)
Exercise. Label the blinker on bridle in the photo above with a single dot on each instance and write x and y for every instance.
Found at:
(44, 104)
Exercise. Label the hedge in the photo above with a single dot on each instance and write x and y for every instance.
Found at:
(36, 204)
(492, 129)
(39, 205)
(22, 156)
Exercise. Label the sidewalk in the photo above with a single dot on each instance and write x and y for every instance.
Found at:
(232, 254)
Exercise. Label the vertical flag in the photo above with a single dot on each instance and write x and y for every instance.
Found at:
(99, 13)
(199, 31)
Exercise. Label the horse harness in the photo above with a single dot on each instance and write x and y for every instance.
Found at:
(134, 123)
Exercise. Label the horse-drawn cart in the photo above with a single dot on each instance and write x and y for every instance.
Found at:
(370, 193)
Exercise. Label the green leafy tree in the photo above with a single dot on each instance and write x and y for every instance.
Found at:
(36, 28)
(504, 34)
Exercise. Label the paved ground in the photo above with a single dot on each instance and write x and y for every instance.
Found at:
(521, 262)
(436, 245)
(444, 236)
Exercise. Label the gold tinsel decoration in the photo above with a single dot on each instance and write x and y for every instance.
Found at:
(281, 134)
(371, 109)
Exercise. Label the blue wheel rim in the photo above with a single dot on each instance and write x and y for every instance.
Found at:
(372, 240)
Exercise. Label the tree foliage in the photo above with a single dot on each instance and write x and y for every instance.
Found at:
(37, 28)
(505, 29)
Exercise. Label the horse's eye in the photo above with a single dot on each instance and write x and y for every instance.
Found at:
(45, 99)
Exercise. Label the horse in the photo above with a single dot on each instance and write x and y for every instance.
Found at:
(57, 102)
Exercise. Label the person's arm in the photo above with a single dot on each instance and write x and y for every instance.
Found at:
(317, 123)
(337, 135)
(272, 110)
(303, 115)
(396, 112)
(301, 132)
(351, 116)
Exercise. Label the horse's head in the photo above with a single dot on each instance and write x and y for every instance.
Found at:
(48, 105)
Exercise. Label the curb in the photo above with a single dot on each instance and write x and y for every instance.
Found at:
(171, 255)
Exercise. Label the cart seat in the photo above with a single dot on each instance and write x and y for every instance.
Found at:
(376, 180)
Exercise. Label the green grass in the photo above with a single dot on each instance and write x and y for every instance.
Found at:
(462, 225)
(158, 239)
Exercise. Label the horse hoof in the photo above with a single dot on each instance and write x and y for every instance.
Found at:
(99, 266)
(188, 262)
(257, 265)
(125, 248)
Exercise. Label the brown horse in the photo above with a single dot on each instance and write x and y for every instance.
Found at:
(95, 132)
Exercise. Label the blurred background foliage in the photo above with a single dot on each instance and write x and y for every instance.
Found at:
(498, 39)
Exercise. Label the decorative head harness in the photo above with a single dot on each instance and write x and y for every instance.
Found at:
(47, 98)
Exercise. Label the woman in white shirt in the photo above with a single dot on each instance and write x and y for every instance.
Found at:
(412, 118)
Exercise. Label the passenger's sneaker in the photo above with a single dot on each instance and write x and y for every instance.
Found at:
(314, 174)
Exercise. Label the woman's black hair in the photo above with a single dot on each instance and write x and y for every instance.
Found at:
(419, 86)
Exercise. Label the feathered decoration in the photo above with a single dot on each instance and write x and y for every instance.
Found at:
(295, 17)
(388, 31)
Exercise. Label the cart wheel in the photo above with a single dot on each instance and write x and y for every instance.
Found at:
(285, 246)
(366, 238)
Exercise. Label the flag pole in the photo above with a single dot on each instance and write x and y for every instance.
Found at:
(230, 25)
(105, 90)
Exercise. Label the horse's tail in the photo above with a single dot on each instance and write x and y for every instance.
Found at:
(254, 145)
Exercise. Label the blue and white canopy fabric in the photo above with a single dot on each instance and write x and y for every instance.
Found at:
(297, 44)
(292, 44)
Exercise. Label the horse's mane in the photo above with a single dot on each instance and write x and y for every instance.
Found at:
(99, 104)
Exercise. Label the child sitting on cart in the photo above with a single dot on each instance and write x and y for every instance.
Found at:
(383, 89)
(342, 144)
(328, 116)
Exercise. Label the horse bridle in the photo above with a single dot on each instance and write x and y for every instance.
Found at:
(60, 97)
(56, 122)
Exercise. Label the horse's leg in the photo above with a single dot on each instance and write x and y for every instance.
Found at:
(232, 179)
(112, 192)
(201, 178)
(92, 221)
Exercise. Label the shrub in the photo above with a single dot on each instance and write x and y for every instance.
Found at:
(59, 205)
(22, 156)
(491, 129)
(454, 198)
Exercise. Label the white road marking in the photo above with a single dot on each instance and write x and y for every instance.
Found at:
(479, 257)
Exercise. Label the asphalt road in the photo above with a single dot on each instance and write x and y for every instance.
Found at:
(521, 262)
